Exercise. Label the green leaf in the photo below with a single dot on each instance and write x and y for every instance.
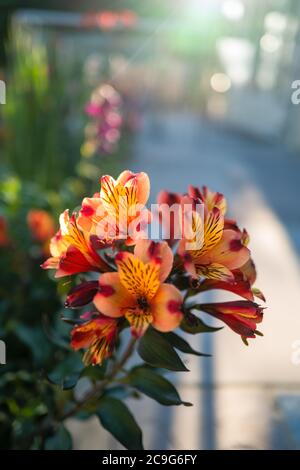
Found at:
(154, 386)
(94, 373)
(83, 415)
(66, 383)
(116, 418)
(179, 343)
(194, 325)
(119, 391)
(61, 440)
(70, 381)
(155, 350)
(35, 339)
(67, 373)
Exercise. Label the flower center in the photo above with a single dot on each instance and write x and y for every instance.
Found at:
(143, 303)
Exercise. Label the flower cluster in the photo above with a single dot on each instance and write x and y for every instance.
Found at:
(102, 133)
(134, 281)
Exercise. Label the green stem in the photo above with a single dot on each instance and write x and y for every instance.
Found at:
(97, 390)
(100, 387)
(194, 307)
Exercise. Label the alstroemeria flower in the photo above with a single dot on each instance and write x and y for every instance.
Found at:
(173, 220)
(41, 225)
(209, 198)
(247, 274)
(98, 335)
(241, 316)
(72, 250)
(222, 250)
(138, 292)
(248, 271)
(170, 215)
(243, 278)
(118, 212)
(237, 286)
(82, 294)
(90, 214)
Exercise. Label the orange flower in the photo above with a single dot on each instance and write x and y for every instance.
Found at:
(41, 225)
(138, 292)
(118, 211)
(241, 316)
(170, 215)
(210, 199)
(222, 250)
(238, 286)
(90, 214)
(98, 335)
(72, 250)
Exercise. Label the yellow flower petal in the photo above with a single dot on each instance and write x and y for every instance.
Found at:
(139, 279)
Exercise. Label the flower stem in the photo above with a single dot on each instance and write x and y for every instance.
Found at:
(100, 387)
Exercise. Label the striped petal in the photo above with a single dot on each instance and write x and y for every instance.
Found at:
(140, 279)
(211, 199)
(212, 233)
(157, 253)
(214, 271)
(229, 252)
(138, 320)
(141, 183)
(109, 192)
(98, 335)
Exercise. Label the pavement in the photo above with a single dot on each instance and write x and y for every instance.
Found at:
(244, 397)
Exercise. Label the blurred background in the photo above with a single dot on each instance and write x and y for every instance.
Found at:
(195, 92)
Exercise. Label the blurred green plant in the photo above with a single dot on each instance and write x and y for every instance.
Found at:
(44, 117)
(29, 303)
(36, 148)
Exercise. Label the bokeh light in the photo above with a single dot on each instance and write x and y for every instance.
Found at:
(234, 10)
(220, 82)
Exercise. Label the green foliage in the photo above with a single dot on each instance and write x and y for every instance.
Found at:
(194, 325)
(29, 304)
(116, 418)
(37, 113)
(61, 439)
(179, 343)
(67, 373)
(147, 381)
(156, 350)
